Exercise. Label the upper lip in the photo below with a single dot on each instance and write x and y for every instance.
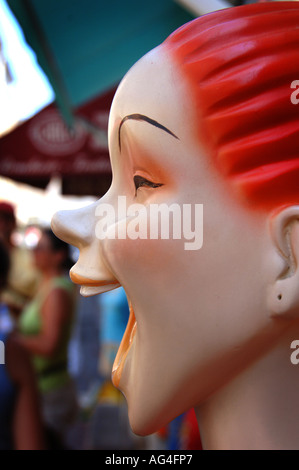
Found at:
(85, 281)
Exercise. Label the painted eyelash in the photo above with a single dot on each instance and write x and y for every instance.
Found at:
(140, 181)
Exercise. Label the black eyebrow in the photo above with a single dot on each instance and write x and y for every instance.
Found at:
(141, 117)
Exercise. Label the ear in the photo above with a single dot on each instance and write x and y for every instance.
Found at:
(283, 294)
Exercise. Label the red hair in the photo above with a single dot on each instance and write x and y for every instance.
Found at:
(240, 63)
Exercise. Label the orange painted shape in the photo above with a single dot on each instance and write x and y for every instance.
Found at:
(124, 348)
(83, 281)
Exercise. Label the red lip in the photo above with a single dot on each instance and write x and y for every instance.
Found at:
(84, 281)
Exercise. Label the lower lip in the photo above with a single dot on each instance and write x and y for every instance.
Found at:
(124, 348)
(87, 291)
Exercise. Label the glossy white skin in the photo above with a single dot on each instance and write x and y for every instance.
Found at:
(202, 316)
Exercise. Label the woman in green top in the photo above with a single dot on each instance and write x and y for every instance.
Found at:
(45, 328)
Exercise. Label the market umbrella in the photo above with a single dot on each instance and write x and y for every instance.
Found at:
(44, 146)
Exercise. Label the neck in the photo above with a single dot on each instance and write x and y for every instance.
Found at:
(259, 409)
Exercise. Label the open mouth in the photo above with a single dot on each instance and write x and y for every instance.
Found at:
(91, 287)
(124, 348)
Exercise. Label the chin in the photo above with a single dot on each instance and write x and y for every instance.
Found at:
(140, 428)
(149, 412)
(144, 423)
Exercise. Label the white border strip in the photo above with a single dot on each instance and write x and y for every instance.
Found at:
(2, 353)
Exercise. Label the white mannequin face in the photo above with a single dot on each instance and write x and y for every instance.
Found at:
(201, 314)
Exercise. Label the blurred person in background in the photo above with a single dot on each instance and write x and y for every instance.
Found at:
(109, 428)
(20, 418)
(114, 316)
(45, 328)
(23, 278)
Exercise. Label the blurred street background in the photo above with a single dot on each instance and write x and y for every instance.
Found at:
(60, 64)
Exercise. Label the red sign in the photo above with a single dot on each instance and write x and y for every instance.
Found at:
(43, 146)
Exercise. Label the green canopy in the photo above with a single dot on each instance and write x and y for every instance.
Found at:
(86, 46)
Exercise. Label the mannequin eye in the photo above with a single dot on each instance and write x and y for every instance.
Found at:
(140, 181)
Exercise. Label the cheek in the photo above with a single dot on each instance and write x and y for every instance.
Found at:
(134, 261)
(144, 262)
(149, 257)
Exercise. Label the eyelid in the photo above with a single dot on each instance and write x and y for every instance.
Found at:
(142, 181)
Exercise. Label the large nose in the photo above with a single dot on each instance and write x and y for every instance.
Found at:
(75, 227)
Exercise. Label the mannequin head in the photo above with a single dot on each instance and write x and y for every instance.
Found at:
(193, 122)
